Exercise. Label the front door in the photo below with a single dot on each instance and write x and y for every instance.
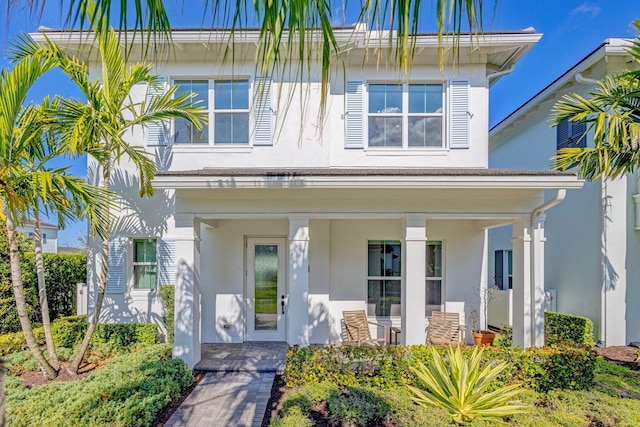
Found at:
(265, 297)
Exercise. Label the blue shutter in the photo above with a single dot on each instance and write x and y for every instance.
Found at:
(459, 114)
(562, 134)
(354, 115)
(116, 274)
(166, 261)
(156, 131)
(263, 111)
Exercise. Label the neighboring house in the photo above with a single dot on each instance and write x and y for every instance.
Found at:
(49, 235)
(270, 225)
(592, 252)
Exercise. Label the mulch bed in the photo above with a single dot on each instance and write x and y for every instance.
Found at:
(32, 378)
(622, 355)
(166, 412)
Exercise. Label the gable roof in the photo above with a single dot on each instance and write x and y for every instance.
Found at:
(612, 46)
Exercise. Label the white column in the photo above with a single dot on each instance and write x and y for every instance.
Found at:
(537, 286)
(187, 290)
(298, 301)
(521, 243)
(413, 286)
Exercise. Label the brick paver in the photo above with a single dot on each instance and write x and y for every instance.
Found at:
(236, 390)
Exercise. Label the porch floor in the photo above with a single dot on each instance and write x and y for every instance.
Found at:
(243, 357)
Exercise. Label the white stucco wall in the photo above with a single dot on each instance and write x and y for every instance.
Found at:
(49, 237)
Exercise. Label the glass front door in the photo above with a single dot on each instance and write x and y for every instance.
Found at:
(265, 297)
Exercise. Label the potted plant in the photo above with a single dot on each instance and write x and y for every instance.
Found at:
(481, 333)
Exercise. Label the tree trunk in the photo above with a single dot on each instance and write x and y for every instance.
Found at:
(102, 286)
(42, 291)
(18, 292)
(2, 372)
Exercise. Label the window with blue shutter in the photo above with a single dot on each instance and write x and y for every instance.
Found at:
(353, 117)
(116, 274)
(459, 114)
(156, 131)
(263, 111)
(571, 134)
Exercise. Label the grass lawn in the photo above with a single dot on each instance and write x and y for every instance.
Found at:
(612, 400)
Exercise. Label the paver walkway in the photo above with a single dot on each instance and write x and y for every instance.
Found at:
(237, 387)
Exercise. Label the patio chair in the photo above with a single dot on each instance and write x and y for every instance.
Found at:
(357, 326)
(445, 328)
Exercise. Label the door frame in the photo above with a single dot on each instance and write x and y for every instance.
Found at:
(281, 241)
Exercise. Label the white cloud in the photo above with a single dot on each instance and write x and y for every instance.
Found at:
(587, 8)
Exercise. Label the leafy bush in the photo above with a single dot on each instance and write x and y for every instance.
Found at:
(167, 296)
(129, 390)
(464, 388)
(69, 331)
(537, 368)
(504, 338)
(567, 329)
(63, 272)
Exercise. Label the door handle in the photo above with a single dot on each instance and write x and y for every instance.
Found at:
(282, 303)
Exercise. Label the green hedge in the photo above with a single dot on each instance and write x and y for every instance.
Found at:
(129, 390)
(63, 272)
(69, 331)
(167, 297)
(540, 369)
(567, 329)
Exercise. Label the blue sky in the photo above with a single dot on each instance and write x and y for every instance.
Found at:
(571, 29)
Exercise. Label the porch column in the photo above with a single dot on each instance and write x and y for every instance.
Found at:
(187, 290)
(298, 301)
(522, 307)
(413, 287)
(538, 295)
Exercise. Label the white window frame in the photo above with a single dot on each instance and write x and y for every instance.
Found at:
(211, 111)
(405, 116)
(440, 278)
(399, 279)
(132, 263)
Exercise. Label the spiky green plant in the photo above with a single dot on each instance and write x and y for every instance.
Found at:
(463, 387)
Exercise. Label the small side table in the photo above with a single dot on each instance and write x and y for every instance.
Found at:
(394, 333)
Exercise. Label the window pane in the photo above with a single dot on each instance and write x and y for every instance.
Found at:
(199, 87)
(145, 276)
(231, 94)
(144, 250)
(425, 131)
(385, 131)
(434, 259)
(381, 295)
(187, 133)
(385, 98)
(231, 128)
(266, 287)
(384, 258)
(434, 292)
(425, 98)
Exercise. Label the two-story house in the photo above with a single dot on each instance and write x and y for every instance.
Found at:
(593, 252)
(270, 222)
(49, 234)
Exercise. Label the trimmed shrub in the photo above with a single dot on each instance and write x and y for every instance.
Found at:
(129, 390)
(504, 338)
(540, 369)
(69, 331)
(567, 329)
(167, 296)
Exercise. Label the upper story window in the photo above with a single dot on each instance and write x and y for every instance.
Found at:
(405, 115)
(229, 115)
(571, 134)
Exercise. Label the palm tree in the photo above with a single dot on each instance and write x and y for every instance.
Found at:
(66, 196)
(97, 126)
(612, 112)
(20, 129)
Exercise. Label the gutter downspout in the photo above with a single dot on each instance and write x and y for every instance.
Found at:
(499, 73)
(580, 79)
(559, 197)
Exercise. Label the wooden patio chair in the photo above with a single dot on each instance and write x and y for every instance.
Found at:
(356, 325)
(445, 328)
